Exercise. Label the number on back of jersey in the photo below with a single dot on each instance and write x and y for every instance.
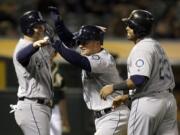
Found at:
(164, 70)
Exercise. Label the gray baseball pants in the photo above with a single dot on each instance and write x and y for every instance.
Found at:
(113, 123)
(33, 118)
(153, 115)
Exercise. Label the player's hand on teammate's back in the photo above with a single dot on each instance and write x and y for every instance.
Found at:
(54, 13)
(105, 91)
(117, 101)
(42, 42)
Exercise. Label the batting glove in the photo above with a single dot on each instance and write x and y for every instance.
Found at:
(54, 13)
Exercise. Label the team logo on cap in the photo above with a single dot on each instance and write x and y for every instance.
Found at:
(139, 63)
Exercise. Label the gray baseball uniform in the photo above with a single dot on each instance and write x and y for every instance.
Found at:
(154, 109)
(103, 71)
(34, 83)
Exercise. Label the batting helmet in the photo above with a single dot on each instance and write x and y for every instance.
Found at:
(140, 21)
(88, 33)
(28, 20)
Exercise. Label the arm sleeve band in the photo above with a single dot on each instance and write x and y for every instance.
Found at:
(72, 56)
(139, 80)
(24, 55)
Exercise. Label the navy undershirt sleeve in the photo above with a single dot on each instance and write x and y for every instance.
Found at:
(72, 57)
(24, 55)
(139, 80)
(64, 34)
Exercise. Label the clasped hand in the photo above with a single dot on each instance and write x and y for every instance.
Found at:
(54, 12)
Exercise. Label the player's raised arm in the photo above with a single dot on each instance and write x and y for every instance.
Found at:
(62, 31)
(72, 56)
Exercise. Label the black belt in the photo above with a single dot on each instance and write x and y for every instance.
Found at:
(38, 100)
(100, 113)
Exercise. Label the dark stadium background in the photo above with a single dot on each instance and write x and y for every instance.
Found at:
(107, 13)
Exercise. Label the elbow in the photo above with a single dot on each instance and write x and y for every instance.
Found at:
(19, 58)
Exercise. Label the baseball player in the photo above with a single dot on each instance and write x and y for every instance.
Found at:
(31, 60)
(150, 81)
(98, 69)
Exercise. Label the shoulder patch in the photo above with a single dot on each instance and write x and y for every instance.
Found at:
(95, 57)
(139, 63)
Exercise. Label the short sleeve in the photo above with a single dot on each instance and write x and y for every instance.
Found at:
(141, 62)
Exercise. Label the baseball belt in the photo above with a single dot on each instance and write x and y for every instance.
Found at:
(49, 103)
(100, 113)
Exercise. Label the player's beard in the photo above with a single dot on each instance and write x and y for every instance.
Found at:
(131, 37)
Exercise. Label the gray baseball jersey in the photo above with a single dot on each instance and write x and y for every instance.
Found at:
(35, 79)
(103, 72)
(154, 109)
(34, 83)
(147, 58)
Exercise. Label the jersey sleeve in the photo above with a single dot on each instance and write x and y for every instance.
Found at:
(141, 62)
(98, 64)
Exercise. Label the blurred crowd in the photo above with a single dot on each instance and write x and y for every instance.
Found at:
(107, 13)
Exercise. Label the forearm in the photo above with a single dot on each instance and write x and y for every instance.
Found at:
(125, 97)
(72, 56)
(133, 82)
(64, 34)
(125, 86)
(24, 55)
